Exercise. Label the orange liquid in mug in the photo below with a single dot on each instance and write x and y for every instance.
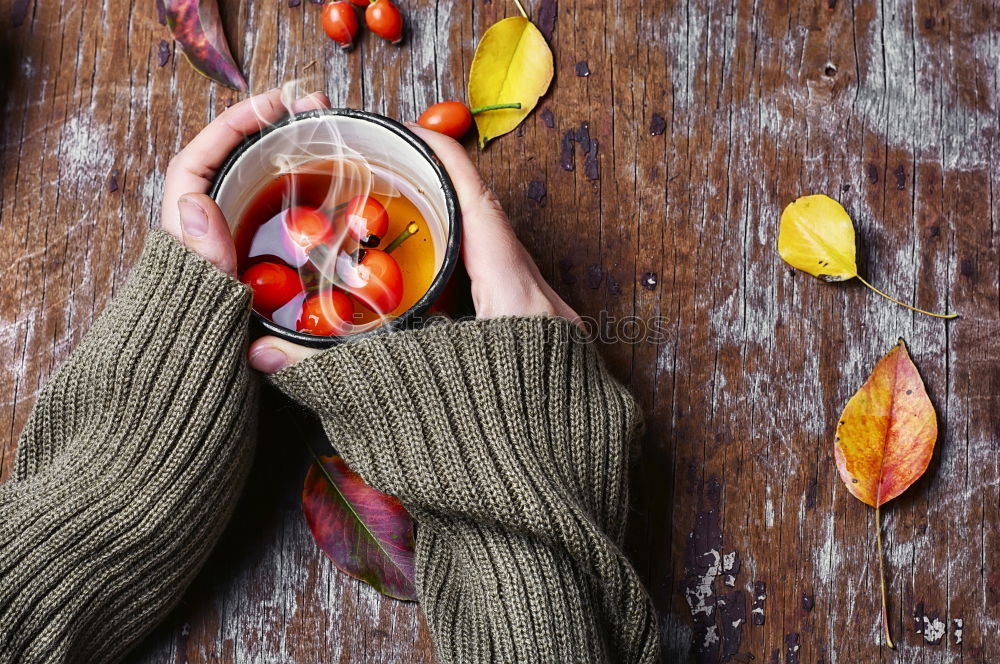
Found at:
(325, 185)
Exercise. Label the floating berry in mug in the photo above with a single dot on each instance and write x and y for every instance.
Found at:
(307, 227)
(273, 285)
(340, 23)
(373, 277)
(383, 18)
(326, 314)
(367, 220)
(453, 118)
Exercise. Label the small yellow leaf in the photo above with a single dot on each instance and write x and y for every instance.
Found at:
(512, 64)
(817, 236)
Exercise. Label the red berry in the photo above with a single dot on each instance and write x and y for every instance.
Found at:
(362, 3)
(327, 314)
(375, 279)
(340, 22)
(450, 118)
(307, 226)
(367, 220)
(273, 285)
(383, 18)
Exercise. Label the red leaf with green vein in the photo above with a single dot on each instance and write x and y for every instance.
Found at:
(196, 26)
(367, 534)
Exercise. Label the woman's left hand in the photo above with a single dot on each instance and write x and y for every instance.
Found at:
(188, 213)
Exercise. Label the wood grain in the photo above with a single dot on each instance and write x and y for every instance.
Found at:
(649, 187)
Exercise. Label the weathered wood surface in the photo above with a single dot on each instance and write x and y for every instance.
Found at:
(650, 188)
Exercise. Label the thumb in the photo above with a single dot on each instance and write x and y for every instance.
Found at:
(204, 231)
(271, 354)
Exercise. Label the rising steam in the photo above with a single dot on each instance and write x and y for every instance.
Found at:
(359, 166)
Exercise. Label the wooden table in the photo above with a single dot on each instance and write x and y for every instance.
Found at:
(650, 187)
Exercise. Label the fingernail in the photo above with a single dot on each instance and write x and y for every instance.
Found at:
(194, 221)
(269, 359)
(411, 125)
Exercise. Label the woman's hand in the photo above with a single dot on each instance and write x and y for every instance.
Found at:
(188, 213)
(505, 281)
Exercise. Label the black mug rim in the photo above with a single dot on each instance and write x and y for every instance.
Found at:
(452, 245)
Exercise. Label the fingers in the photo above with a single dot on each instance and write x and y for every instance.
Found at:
(489, 245)
(271, 354)
(193, 168)
(505, 281)
(310, 102)
(204, 230)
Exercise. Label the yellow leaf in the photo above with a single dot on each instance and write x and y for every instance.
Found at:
(816, 235)
(513, 64)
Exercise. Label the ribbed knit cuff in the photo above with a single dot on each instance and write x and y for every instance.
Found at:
(488, 401)
(129, 465)
(507, 439)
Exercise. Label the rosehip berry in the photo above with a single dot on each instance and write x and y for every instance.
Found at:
(307, 227)
(340, 22)
(383, 18)
(450, 118)
(367, 220)
(273, 285)
(327, 314)
(373, 277)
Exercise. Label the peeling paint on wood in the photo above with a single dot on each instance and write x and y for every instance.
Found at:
(548, 10)
(163, 53)
(757, 616)
(548, 118)
(536, 191)
(732, 618)
(792, 648)
(657, 125)
(18, 12)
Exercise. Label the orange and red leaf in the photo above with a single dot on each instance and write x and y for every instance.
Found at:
(886, 434)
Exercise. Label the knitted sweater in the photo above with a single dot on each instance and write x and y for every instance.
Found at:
(507, 442)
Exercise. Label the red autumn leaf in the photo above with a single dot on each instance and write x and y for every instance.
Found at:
(885, 439)
(196, 26)
(367, 534)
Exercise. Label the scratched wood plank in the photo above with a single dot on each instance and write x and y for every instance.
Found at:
(648, 185)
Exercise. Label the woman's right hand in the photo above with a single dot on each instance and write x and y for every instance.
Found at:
(188, 213)
(505, 280)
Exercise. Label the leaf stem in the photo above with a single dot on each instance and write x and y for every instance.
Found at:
(881, 571)
(410, 230)
(494, 107)
(904, 304)
(521, 9)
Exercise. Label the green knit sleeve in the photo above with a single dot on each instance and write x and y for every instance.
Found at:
(507, 440)
(129, 465)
